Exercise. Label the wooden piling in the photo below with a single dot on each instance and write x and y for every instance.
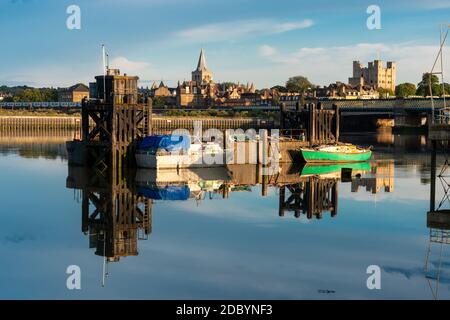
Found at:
(433, 176)
(312, 124)
(337, 117)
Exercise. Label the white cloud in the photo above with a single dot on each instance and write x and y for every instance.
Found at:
(267, 51)
(324, 65)
(128, 66)
(239, 29)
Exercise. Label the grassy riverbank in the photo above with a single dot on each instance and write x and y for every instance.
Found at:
(39, 113)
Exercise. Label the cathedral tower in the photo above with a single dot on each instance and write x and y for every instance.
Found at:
(202, 74)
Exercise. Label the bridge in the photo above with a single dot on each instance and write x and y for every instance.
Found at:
(365, 114)
(399, 113)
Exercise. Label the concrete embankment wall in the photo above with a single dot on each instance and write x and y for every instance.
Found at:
(39, 122)
(159, 124)
(165, 125)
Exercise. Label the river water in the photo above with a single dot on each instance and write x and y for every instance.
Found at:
(206, 241)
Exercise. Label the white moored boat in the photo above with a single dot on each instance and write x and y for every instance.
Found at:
(173, 151)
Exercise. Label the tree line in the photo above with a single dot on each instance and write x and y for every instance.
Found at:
(29, 94)
(423, 88)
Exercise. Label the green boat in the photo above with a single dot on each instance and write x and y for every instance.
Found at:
(336, 153)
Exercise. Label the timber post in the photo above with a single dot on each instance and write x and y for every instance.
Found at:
(312, 124)
(337, 117)
(433, 176)
(282, 116)
(281, 202)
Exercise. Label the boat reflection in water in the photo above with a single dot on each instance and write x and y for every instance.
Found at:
(117, 208)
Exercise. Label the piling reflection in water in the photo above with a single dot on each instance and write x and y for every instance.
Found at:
(438, 224)
(311, 197)
(117, 207)
(438, 218)
(113, 215)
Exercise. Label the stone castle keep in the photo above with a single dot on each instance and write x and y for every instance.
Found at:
(374, 75)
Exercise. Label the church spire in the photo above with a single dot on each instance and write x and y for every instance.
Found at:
(202, 74)
(202, 61)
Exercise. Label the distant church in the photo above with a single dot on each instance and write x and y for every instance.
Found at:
(202, 75)
(202, 91)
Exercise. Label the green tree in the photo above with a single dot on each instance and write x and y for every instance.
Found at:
(280, 88)
(275, 100)
(423, 88)
(159, 102)
(299, 84)
(28, 94)
(405, 90)
(229, 84)
(385, 93)
(447, 88)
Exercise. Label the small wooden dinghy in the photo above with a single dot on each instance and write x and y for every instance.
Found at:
(336, 153)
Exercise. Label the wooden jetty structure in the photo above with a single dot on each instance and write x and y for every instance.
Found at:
(119, 121)
(310, 123)
(305, 126)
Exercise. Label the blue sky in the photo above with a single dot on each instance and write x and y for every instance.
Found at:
(262, 41)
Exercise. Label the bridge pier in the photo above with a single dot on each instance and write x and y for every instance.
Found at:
(365, 122)
(409, 120)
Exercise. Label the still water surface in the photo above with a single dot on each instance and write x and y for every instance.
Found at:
(233, 247)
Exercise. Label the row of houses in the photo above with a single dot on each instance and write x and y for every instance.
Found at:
(191, 94)
(340, 90)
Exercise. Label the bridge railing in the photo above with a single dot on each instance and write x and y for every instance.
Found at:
(40, 104)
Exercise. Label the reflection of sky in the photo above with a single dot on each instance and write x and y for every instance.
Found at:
(234, 248)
